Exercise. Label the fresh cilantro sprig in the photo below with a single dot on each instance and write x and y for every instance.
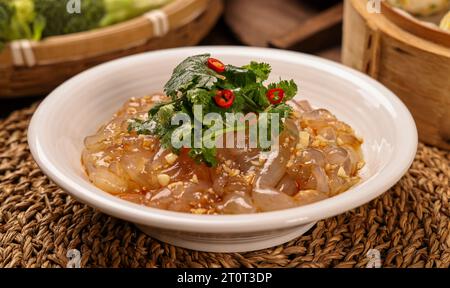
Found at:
(194, 83)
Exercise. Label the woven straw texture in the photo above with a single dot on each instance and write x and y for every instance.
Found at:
(39, 223)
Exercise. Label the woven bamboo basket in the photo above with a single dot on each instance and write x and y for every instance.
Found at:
(414, 66)
(36, 68)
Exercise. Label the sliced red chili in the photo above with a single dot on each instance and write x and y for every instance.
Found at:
(275, 95)
(216, 65)
(224, 98)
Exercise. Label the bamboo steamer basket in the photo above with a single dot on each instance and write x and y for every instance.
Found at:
(57, 58)
(397, 51)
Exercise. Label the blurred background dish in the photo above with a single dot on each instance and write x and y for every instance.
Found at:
(430, 25)
(23, 62)
(421, 7)
(307, 26)
(445, 22)
(409, 57)
(37, 19)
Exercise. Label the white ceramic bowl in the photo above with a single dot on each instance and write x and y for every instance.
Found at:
(79, 106)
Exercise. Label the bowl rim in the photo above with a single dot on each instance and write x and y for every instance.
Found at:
(355, 197)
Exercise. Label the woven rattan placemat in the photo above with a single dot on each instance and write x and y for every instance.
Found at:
(39, 223)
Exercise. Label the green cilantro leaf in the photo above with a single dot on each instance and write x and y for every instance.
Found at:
(289, 87)
(207, 155)
(190, 74)
(199, 96)
(194, 83)
(261, 70)
(142, 127)
(239, 76)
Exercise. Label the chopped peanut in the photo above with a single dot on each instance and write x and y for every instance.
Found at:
(163, 179)
(194, 179)
(303, 141)
(341, 173)
(171, 158)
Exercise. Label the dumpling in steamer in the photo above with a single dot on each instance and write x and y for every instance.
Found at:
(421, 7)
(445, 22)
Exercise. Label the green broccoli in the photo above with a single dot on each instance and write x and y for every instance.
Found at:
(92, 11)
(36, 19)
(18, 20)
(121, 10)
(5, 18)
(59, 21)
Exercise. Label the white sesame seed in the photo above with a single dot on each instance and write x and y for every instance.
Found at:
(194, 179)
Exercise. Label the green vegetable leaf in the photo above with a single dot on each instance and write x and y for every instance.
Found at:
(121, 10)
(283, 109)
(199, 96)
(166, 138)
(206, 155)
(261, 70)
(5, 18)
(142, 127)
(35, 19)
(194, 83)
(164, 115)
(289, 87)
(190, 74)
(258, 95)
(239, 76)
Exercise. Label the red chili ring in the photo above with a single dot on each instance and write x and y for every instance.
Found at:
(216, 65)
(275, 95)
(224, 98)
